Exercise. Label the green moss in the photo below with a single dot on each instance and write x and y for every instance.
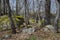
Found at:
(29, 26)
(5, 19)
(59, 23)
(0, 29)
(32, 20)
(19, 16)
(17, 19)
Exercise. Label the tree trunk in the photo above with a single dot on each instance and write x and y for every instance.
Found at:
(26, 13)
(58, 1)
(4, 7)
(11, 19)
(17, 13)
(57, 18)
(47, 12)
(37, 14)
(33, 6)
(0, 7)
(17, 7)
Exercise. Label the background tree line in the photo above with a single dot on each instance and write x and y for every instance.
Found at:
(27, 8)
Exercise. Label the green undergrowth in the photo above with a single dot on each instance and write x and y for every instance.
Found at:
(5, 19)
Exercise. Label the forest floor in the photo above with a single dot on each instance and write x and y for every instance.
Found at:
(38, 35)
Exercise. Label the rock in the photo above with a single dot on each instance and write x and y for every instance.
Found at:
(4, 27)
(9, 26)
(2, 39)
(49, 28)
(1, 26)
(6, 36)
(28, 30)
(59, 30)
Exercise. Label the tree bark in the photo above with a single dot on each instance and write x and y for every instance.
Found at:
(47, 12)
(57, 18)
(58, 1)
(26, 12)
(17, 7)
(4, 7)
(0, 7)
(11, 19)
(37, 14)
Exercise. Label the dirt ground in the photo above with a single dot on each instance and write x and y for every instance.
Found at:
(39, 35)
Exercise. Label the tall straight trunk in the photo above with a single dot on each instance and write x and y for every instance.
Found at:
(37, 14)
(26, 13)
(17, 13)
(47, 12)
(4, 7)
(33, 6)
(0, 7)
(17, 7)
(25, 10)
(11, 19)
(59, 7)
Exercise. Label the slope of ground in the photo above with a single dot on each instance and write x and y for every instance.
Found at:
(38, 35)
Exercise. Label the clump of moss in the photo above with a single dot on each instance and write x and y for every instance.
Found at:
(19, 18)
(19, 21)
(0, 29)
(32, 20)
(29, 26)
